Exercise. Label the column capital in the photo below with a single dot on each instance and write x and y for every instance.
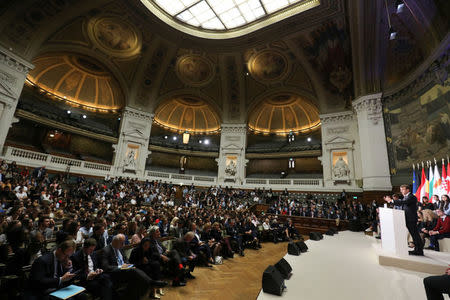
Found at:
(138, 114)
(336, 117)
(234, 128)
(370, 104)
(11, 60)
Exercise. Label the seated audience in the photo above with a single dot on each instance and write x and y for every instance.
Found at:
(440, 231)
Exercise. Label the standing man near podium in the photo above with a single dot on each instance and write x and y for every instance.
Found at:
(409, 203)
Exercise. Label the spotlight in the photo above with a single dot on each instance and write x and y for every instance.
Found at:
(84, 116)
(174, 138)
(308, 139)
(69, 112)
(118, 119)
(400, 6)
(166, 137)
(52, 135)
(200, 141)
(392, 33)
(246, 74)
(206, 142)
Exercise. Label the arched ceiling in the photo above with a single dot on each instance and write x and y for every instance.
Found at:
(284, 113)
(185, 113)
(332, 53)
(77, 79)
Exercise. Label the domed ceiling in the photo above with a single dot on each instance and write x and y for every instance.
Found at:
(187, 113)
(79, 80)
(284, 113)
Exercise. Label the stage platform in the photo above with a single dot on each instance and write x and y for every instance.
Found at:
(432, 262)
(346, 266)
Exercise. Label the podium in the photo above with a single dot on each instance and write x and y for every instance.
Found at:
(394, 234)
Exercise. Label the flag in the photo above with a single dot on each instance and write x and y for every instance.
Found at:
(421, 189)
(437, 181)
(430, 182)
(444, 185)
(414, 187)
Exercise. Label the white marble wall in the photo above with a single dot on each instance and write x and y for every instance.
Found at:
(340, 138)
(374, 155)
(13, 72)
(131, 152)
(232, 161)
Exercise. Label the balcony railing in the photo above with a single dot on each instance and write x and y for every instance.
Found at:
(63, 164)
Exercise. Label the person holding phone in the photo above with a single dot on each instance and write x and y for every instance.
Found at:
(91, 277)
(52, 271)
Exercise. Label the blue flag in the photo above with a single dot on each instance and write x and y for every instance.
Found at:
(414, 187)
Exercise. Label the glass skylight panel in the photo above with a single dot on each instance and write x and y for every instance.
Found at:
(274, 5)
(175, 6)
(221, 14)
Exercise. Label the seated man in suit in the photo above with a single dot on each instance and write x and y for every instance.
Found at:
(234, 231)
(91, 277)
(52, 271)
(435, 286)
(291, 231)
(170, 259)
(116, 265)
(442, 230)
(182, 246)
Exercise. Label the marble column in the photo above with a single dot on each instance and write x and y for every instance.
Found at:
(131, 152)
(372, 137)
(231, 161)
(13, 73)
(341, 158)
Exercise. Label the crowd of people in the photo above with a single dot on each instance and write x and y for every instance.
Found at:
(93, 223)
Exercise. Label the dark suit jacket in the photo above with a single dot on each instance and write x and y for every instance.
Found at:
(42, 277)
(108, 259)
(155, 255)
(409, 202)
(182, 248)
(79, 262)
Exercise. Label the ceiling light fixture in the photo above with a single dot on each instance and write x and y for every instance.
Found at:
(84, 116)
(174, 138)
(69, 112)
(308, 139)
(206, 142)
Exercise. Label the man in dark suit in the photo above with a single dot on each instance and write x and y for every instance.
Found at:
(52, 271)
(91, 277)
(170, 259)
(435, 286)
(114, 263)
(409, 203)
(234, 232)
(182, 246)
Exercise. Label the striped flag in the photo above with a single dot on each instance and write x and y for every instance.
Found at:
(445, 189)
(437, 181)
(430, 181)
(421, 189)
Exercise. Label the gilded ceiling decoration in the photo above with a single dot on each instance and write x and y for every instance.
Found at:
(78, 80)
(114, 36)
(187, 114)
(268, 66)
(195, 70)
(283, 113)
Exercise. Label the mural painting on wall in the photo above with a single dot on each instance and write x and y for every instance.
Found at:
(340, 165)
(420, 127)
(231, 165)
(131, 156)
(328, 48)
(194, 70)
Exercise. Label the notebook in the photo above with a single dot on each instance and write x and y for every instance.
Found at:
(68, 292)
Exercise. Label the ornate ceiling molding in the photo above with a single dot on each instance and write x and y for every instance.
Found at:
(14, 62)
(137, 114)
